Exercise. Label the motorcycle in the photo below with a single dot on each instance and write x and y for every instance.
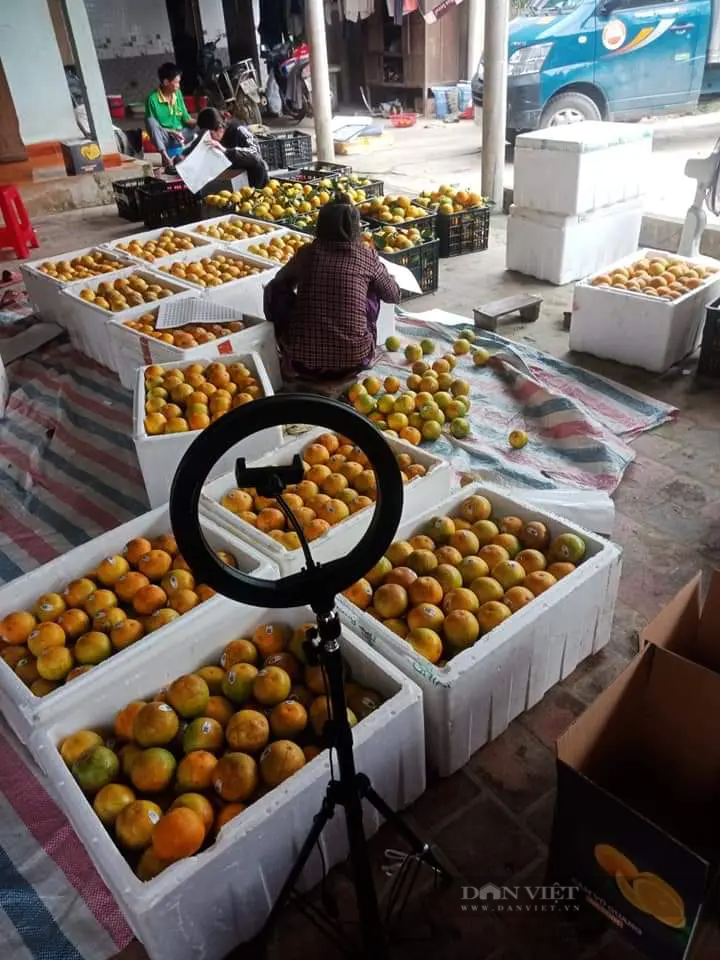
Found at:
(289, 71)
(233, 90)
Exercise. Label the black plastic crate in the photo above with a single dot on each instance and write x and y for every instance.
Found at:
(427, 224)
(709, 364)
(376, 188)
(464, 232)
(326, 171)
(169, 204)
(423, 262)
(127, 197)
(286, 151)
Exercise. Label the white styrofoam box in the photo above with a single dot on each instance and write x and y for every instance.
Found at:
(89, 331)
(640, 331)
(243, 246)
(475, 697)
(159, 456)
(420, 494)
(43, 290)
(21, 708)
(244, 294)
(201, 908)
(575, 168)
(133, 349)
(192, 228)
(147, 235)
(561, 249)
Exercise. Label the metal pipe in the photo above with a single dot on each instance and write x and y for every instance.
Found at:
(320, 74)
(494, 100)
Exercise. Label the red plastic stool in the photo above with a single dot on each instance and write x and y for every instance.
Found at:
(18, 232)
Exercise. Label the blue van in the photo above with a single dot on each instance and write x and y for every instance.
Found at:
(572, 60)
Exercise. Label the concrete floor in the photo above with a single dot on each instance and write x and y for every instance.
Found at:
(492, 819)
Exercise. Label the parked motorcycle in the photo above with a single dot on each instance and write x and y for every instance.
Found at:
(289, 88)
(233, 90)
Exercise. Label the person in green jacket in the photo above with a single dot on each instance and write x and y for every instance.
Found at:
(168, 122)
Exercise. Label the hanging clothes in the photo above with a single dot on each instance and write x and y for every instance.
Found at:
(358, 9)
(410, 6)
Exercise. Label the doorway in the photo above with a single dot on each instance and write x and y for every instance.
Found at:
(186, 32)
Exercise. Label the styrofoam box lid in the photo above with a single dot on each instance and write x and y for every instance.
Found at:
(34, 265)
(56, 574)
(583, 137)
(502, 506)
(561, 221)
(142, 679)
(251, 360)
(700, 260)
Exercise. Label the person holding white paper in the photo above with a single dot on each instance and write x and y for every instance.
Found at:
(324, 303)
(237, 143)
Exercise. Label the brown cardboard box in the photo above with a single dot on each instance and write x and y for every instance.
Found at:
(688, 627)
(637, 824)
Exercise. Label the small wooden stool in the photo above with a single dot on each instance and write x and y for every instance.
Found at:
(18, 232)
(528, 306)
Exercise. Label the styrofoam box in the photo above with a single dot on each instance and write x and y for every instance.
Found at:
(147, 235)
(159, 456)
(44, 291)
(242, 246)
(133, 349)
(420, 494)
(475, 697)
(89, 331)
(561, 249)
(21, 708)
(202, 907)
(579, 167)
(192, 228)
(637, 330)
(245, 293)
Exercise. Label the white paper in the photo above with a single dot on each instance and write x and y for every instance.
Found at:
(402, 276)
(179, 312)
(204, 164)
(442, 317)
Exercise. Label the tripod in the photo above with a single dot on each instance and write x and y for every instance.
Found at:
(348, 791)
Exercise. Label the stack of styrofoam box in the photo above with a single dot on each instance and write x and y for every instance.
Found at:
(44, 291)
(206, 905)
(21, 708)
(89, 328)
(114, 245)
(160, 455)
(133, 349)
(577, 198)
(481, 690)
(642, 331)
(419, 495)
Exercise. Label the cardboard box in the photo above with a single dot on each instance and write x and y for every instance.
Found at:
(81, 156)
(636, 825)
(688, 627)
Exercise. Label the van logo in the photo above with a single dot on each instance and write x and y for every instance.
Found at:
(614, 34)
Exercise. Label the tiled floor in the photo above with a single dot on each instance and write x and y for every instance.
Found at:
(492, 819)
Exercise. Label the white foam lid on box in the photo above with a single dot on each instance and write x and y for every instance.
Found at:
(583, 137)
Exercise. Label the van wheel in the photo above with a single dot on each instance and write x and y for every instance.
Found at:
(569, 107)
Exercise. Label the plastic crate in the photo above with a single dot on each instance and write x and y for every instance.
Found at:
(423, 262)
(425, 223)
(286, 151)
(709, 364)
(376, 188)
(168, 204)
(127, 197)
(464, 232)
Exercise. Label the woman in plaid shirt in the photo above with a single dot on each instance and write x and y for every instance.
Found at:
(325, 302)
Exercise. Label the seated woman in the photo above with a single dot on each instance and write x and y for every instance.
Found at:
(237, 142)
(324, 303)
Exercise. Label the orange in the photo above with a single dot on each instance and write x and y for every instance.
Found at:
(271, 638)
(360, 593)
(318, 474)
(270, 518)
(188, 695)
(236, 501)
(95, 768)
(150, 865)
(44, 636)
(136, 549)
(92, 648)
(280, 760)
(492, 614)
(107, 619)
(316, 453)
(55, 663)
(271, 685)
(135, 824)
(539, 582)
(330, 441)
(124, 720)
(149, 599)
(237, 685)
(203, 733)
(42, 687)
(77, 592)
(236, 777)
(512, 525)
(111, 569)
(184, 600)
(425, 615)
(531, 560)
(159, 618)
(425, 590)
(129, 584)
(421, 542)
(26, 668)
(13, 655)
(403, 576)
(195, 771)
(155, 725)
(111, 800)
(390, 600)
(73, 622)
(334, 511)
(126, 633)
(517, 597)
(248, 731)
(315, 529)
(49, 607)
(17, 626)
(509, 541)
(425, 642)
(219, 709)
(74, 746)
(100, 600)
(228, 812)
(199, 805)
(461, 598)
(153, 770)
(155, 564)
(560, 570)
(535, 536)
(288, 719)
(476, 508)
(461, 628)
(127, 755)
(239, 651)
(213, 677)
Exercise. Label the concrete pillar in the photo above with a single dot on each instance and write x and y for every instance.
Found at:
(320, 74)
(476, 34)
(494, 99)
(88, 67)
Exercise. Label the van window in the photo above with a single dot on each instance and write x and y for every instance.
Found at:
(546, 8)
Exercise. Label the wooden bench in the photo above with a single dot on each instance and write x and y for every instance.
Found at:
(487, 316)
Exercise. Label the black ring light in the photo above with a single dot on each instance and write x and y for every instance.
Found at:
(316, 586)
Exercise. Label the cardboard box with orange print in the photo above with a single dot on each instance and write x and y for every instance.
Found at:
(81, 156)
(637, 825)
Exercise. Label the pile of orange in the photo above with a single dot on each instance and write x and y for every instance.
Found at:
(174, 770)
(168, 243)
(460, 577)
(193, 397)
(231, 230)
(668, 278)
(211, 271)
(127, 596)
(191, 335)
(126, 292)
(281, 248)
(79, 268)
(339, 481)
